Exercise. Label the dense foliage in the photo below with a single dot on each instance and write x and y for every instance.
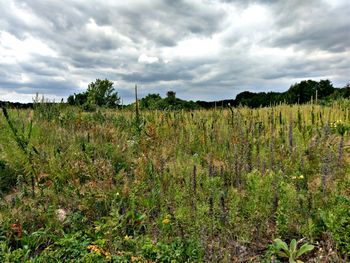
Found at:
(175, 186)
(302, 92)
(155, 102)
(99, 94)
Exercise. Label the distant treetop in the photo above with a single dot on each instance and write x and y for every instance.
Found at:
(99, 93)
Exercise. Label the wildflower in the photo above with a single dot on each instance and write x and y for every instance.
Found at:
(166, 220)
(136, 259)
(94, 248)
(17, 228)
(127, 238)
(107, 255)
(99, 251)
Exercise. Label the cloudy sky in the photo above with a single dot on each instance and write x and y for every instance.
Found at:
(202, 49)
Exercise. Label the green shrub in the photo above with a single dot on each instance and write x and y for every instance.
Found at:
(337, 221)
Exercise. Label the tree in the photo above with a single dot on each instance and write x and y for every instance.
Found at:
(150, 101)
(325, 88)
(171, 98)
(302, 92)
(78, 99)
(101, 93)
(171, 94)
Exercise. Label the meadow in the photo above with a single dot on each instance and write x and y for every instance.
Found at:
(214, 185)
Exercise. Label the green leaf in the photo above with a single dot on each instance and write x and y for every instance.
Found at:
(304, 248)
(279, 244)
(282, 254)
(293, 246)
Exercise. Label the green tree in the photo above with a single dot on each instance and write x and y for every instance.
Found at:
(101, 93)
(78, 99)
(325, 88)
(150, 101)
(170, 98)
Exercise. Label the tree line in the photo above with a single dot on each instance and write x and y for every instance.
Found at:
(101, 93)
(300, 93)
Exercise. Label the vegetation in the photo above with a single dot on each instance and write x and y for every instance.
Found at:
(302, 92)
(155, 102)
(102, 94)
(174, 186)
(99, 94)
(291, 252)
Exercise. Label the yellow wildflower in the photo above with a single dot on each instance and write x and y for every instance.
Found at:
(108, 255)
(166, 221)
(99, 251)
(127, 238)
(136, 259)
(94, 248)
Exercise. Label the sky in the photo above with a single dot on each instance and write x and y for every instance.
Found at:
(201, 49)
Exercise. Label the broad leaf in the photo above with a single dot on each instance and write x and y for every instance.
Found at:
(304, 248)
(282, 254)
(279, 244)
(293, 246)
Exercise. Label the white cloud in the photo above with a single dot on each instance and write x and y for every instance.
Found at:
(194, 48)
(147, 59)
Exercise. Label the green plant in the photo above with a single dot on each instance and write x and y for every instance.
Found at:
(8, 177)
(46, 110)
(8, 255)
(175, 186)
(100, 93)
(23, 142)
(291, 252)
(337, 221)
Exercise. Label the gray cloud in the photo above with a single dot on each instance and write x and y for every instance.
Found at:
(311, 25)
(203, 49)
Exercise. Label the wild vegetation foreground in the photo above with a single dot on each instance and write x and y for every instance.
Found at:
(175, 186)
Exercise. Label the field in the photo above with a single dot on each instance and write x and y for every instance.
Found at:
(174, 186)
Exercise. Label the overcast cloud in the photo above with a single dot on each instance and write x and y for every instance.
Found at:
(202, 49)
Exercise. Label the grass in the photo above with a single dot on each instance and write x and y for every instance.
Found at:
(175, 186)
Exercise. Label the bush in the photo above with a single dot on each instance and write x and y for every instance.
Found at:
(337, 222)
